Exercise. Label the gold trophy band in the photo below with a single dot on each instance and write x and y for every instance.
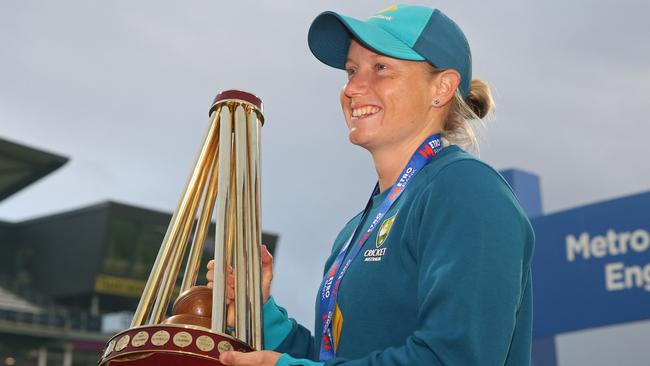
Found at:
(225, 180)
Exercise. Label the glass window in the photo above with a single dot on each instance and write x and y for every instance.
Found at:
(119, 247)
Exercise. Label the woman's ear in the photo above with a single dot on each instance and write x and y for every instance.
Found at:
(444, 86)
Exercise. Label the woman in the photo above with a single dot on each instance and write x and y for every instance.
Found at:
(436, 269)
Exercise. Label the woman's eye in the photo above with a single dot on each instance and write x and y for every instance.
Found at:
(350, 72)
(380, 67)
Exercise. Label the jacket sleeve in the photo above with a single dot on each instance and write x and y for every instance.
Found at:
(279, 329)
(473, 246)
(277, 325)
(283, 334)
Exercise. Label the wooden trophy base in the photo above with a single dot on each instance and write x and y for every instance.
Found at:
(169, 345)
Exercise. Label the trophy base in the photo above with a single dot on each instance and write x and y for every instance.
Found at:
(169, 345)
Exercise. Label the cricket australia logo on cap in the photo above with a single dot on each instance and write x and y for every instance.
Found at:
(390, 8)
(380, 14)
(375, 255)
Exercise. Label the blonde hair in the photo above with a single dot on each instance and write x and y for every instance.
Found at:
(477, 106)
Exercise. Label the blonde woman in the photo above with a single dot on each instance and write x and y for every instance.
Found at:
(435, 270)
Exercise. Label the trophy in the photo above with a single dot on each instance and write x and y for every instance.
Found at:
(225, 180)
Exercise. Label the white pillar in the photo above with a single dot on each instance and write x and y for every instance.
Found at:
(67, 354)
(42, 356)
(94, 305)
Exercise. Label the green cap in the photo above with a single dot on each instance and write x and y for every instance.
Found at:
(407, 32)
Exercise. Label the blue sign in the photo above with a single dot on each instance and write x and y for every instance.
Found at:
(591, 266)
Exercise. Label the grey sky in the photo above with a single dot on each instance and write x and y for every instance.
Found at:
(123, 88)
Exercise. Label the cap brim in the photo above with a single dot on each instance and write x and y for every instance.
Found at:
(330, 35)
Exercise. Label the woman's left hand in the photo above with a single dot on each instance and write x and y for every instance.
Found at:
(257, 358)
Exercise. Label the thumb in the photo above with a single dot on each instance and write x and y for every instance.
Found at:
(266, 255)
(228, 358)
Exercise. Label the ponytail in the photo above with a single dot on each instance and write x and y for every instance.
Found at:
(476, 106)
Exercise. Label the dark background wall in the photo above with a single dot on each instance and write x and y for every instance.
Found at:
(66, 249)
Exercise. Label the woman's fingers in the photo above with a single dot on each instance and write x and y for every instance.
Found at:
(230, 294)
(230, 314)
(266, 255)
(256, 358)
(267, 277)
(209, 275)
(267, 273)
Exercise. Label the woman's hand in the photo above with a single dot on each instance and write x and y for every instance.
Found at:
(257, 358)
(267, 274)
(267, 277)
(230, 291)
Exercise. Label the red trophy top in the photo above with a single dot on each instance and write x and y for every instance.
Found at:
(239, 94)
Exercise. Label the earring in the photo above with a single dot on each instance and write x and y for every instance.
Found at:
(436, 101)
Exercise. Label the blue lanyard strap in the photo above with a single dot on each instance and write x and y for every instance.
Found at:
(332, 280)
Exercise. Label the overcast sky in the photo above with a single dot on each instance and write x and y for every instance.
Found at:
(123, 89)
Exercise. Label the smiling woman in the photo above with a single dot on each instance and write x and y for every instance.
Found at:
(386, 101)
(435, 270)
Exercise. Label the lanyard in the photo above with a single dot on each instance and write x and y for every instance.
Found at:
(332, 280)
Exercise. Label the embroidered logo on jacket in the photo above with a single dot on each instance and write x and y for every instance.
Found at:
(384, 229)
(375, 255)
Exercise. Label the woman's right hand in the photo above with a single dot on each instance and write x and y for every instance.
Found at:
(267, 277)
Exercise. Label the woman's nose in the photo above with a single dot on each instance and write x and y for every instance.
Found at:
(356, 85)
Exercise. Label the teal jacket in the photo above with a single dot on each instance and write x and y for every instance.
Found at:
(449, 283)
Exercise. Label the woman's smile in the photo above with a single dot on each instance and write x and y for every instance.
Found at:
(364, 112)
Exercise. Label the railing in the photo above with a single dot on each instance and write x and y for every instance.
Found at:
(51, 315)
(25, 292)
(69, 320)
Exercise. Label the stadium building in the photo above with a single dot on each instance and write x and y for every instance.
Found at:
(69, 281)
